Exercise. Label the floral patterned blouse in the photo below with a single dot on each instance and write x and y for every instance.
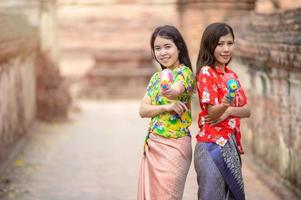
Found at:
(167, 124)
(211, 89)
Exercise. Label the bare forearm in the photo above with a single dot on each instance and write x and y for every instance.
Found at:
(176, 90)
(179, 89)
(214, 112)
(151, 110)
(241, 112)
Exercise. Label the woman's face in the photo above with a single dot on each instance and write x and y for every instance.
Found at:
(223, 50)
(166, 52)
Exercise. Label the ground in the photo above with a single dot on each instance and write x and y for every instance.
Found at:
(95, 155)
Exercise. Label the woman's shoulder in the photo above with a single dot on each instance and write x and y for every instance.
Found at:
(206, 70)
(232, 72)
(154, 78)
(155, 75)
(183, 69)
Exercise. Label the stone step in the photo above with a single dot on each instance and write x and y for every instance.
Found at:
(118, 74)
(103, 83)
(121, 59)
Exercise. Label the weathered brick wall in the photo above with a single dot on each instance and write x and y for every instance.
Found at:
(53, 98)
(113, 36)
(268, 48)
(268, 61)
(18, 47)
(195, 15)
(30, 82)
(288, 4)
(270, 6)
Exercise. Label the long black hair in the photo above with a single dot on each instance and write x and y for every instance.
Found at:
(209, 41)
(171, 33)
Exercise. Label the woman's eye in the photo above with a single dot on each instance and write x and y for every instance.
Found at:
(157, 48)
(230, 43)
(220, 44)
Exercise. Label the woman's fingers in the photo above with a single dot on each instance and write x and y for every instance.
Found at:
(215, 122)
(226, 101)
(184, 106)
(164, 93)
(210, 121)
(179, 107)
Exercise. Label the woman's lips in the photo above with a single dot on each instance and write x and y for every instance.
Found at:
(164, 59)
(225, 56)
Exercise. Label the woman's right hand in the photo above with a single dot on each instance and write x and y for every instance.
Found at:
(178, 107)
(226, 101)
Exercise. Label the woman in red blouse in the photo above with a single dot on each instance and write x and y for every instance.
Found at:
(217, 152)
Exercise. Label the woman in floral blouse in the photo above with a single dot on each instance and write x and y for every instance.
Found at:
(167, 151)
(217, 152)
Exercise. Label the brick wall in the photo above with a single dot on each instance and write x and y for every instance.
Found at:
(18, 47)
(268, 61)
(53, 98)
(106, 44)
(195, 15)
(268, 51)
(30, 82)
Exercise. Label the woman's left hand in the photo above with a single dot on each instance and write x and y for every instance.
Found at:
(220, 119)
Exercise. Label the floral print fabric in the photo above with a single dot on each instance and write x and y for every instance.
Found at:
(211, 89)
(170, 124)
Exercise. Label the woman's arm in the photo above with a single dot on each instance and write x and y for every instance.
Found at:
(149, 110)
(174, 91)
(241, 112)
(216, 111)
(183, 80)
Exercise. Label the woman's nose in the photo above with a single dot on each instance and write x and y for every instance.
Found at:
(226, 48)
(162, 52)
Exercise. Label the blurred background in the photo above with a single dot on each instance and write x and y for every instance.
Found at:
(72, 73)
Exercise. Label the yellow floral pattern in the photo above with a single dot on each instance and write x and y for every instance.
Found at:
(171, 125)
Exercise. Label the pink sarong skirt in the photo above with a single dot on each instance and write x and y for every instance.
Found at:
(164, 168)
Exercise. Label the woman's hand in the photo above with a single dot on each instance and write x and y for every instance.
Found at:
(170, 93)
(224, 116)
(178, 107)
(226, 101)
(216, 111)
(174, 91)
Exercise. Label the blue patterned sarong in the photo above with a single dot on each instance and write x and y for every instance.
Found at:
(219, 171)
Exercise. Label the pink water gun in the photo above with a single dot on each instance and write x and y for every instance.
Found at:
(166, 78)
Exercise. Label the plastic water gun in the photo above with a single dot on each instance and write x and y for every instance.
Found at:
(166, 77)
(232, 86)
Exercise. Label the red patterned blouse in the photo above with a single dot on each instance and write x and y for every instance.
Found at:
(211, 89)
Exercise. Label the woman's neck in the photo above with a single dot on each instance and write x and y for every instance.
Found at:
(221, 68)
(175, 65)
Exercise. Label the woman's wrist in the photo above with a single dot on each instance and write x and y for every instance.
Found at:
(224, 106)
(164, 108)
(178, 88)
(229, 111)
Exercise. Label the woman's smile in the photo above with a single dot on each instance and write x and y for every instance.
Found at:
(164, 59)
